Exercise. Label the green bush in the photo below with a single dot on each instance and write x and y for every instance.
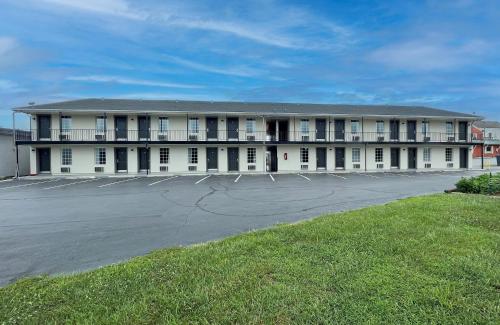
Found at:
(484, 184)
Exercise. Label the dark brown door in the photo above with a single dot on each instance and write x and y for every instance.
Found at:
(44, 127)
(212, 161)
(44, 160)
(143, 122)
(143, 159)
(395, 157)
(211, 128)
(121, 159)
(464, 158)
(411, 129)
(321, 158)
(232, 128)
(320, 129)
(412, 158)
(233, 160)
(339, 130)
(394, 127)
(121, 127)
(340, 158)
(462, 131)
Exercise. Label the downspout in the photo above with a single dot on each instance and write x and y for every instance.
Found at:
(363, 137)
(16, 148)
(482, 155)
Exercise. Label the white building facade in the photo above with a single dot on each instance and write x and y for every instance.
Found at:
(107, 137)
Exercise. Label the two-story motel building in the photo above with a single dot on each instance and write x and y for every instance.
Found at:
(112, 136)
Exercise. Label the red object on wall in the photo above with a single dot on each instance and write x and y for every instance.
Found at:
(285, 156)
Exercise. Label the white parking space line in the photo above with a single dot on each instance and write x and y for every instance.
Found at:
(305, 177)
(23, 185)
(162, 180)
(237, 178)
(7, 180)
(272, 178)
(79, 182)
(204, 178)
(118, 182)
(405, 175)
(338, 176)
(368, 175)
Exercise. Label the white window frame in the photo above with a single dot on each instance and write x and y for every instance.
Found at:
(356, 155)
(448, 153)
(163, 124)
(100, 124)
(380, 127)
(450, 129)
(304, 155)
(490, 150)
(251, 155)
(251, 126)
(355, 126)
(379, 155)
(100, 156)
(194, 125)
(304, 126)
(66, 124)
(164, 156)
(192, 156)
(426, 127)
(66, 156)
(427, 154)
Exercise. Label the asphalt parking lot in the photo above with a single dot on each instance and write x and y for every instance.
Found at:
(50, 226)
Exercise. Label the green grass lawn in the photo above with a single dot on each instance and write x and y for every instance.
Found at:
(430, 259)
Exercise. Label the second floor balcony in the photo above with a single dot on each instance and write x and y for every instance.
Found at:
(233, 136)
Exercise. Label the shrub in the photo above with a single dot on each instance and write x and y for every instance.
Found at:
(484, 184)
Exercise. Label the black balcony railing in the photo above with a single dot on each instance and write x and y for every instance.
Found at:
(93, 135)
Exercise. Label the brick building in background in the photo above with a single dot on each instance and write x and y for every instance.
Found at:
(489, 131)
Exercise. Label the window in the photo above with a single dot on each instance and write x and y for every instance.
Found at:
(380, 127)
(449, 128)
(193, 155)
(164, 155)
(427, 154)
(449, 154)
(163, 124)
(251, 125)
(379, 155)
(66, 156)
(65, 123)
(304, 126)
(100, 156)
(356, 155)
(251, 155)
(425, 127)
(355, 126)
(100, 124)
(488, 149)
(304, 155)
(194, 125)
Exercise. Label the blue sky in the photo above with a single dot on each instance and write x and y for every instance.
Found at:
(437, 53)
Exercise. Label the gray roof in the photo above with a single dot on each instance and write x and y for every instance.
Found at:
(185, 106)
(487, 124)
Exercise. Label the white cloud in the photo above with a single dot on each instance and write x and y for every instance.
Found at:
(429, 54)
(7, 44)
(241, 71)
(130, 81)
(7, 86)
(106, 7)
(278, 29)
